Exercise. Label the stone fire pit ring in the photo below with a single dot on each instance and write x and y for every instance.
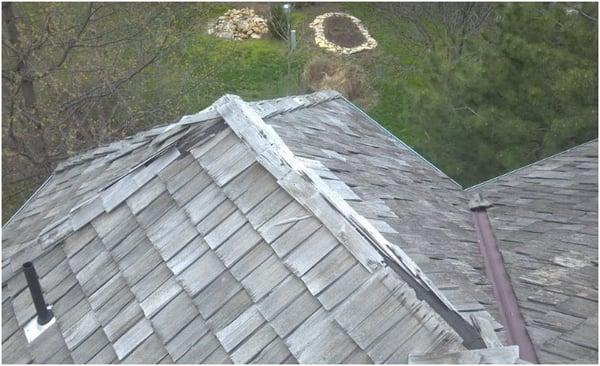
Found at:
(318, 25)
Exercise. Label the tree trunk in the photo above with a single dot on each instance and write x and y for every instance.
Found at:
(8, 16)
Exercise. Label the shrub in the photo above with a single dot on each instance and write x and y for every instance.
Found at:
(327, 73)
(278, 22)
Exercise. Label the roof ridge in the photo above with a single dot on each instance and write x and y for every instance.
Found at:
(292, 103)
(351, 229)
(517, 170)
(268, 107)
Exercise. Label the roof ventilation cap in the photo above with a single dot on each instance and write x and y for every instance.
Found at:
(44, 317)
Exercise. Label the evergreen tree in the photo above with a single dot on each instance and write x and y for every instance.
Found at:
(524, 89)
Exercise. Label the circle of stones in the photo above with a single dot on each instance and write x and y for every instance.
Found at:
(318, 26)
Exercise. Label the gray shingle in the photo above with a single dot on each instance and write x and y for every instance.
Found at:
(82, 329)
(108, 290)
(152, 281)
(225, 229)
(251, 260)
(265, 277)
(188, 255)
(213, 297)
(174, 317)
(160, 297)
(200, 351)
(189, 191)
(293, 315)
(239, 303)
(329, 269)
(121, 322)
(275, 352)
(299, 232)
(132, 338)
(143, 260)
(282, 221)
(106, 355)
(253, 344)
(238, 244)
(201, 273)
(90, 347)
(222, 211)
(203, 203)
(145, 195)
(268, 207)
(311, 251)
(240, 328)
(151, 351)
(187, 338)
(343, 287)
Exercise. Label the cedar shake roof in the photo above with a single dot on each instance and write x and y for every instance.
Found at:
(545, 217)
(288, 230)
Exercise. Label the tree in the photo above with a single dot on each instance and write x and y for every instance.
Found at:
(78, 74)
(444, 24)
(524, 89)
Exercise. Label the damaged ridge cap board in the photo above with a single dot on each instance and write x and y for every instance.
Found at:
(303, 101)
(355, 232)
(274, 156)
(354, 229)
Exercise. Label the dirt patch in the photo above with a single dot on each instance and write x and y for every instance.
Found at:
(327, 73)
(343, 32)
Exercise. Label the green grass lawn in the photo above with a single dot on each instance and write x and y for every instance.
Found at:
(259, 69)
(253, 68)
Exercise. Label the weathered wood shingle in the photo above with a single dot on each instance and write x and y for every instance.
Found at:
(545, 216)
(212, 241)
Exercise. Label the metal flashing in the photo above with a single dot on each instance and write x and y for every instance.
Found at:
(501, 284)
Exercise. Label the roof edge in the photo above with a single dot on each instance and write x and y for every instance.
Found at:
(491, 180)
(35, 193)
(402, 143)
(105, 200)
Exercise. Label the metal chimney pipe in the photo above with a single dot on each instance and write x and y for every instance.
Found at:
(44, 314)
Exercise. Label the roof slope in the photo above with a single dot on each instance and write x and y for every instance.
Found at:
(545, 217)
(413, 204)
(209, 241)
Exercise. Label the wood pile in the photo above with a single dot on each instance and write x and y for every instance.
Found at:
(239, 24)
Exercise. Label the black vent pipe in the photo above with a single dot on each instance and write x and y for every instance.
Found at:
(44, 314)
